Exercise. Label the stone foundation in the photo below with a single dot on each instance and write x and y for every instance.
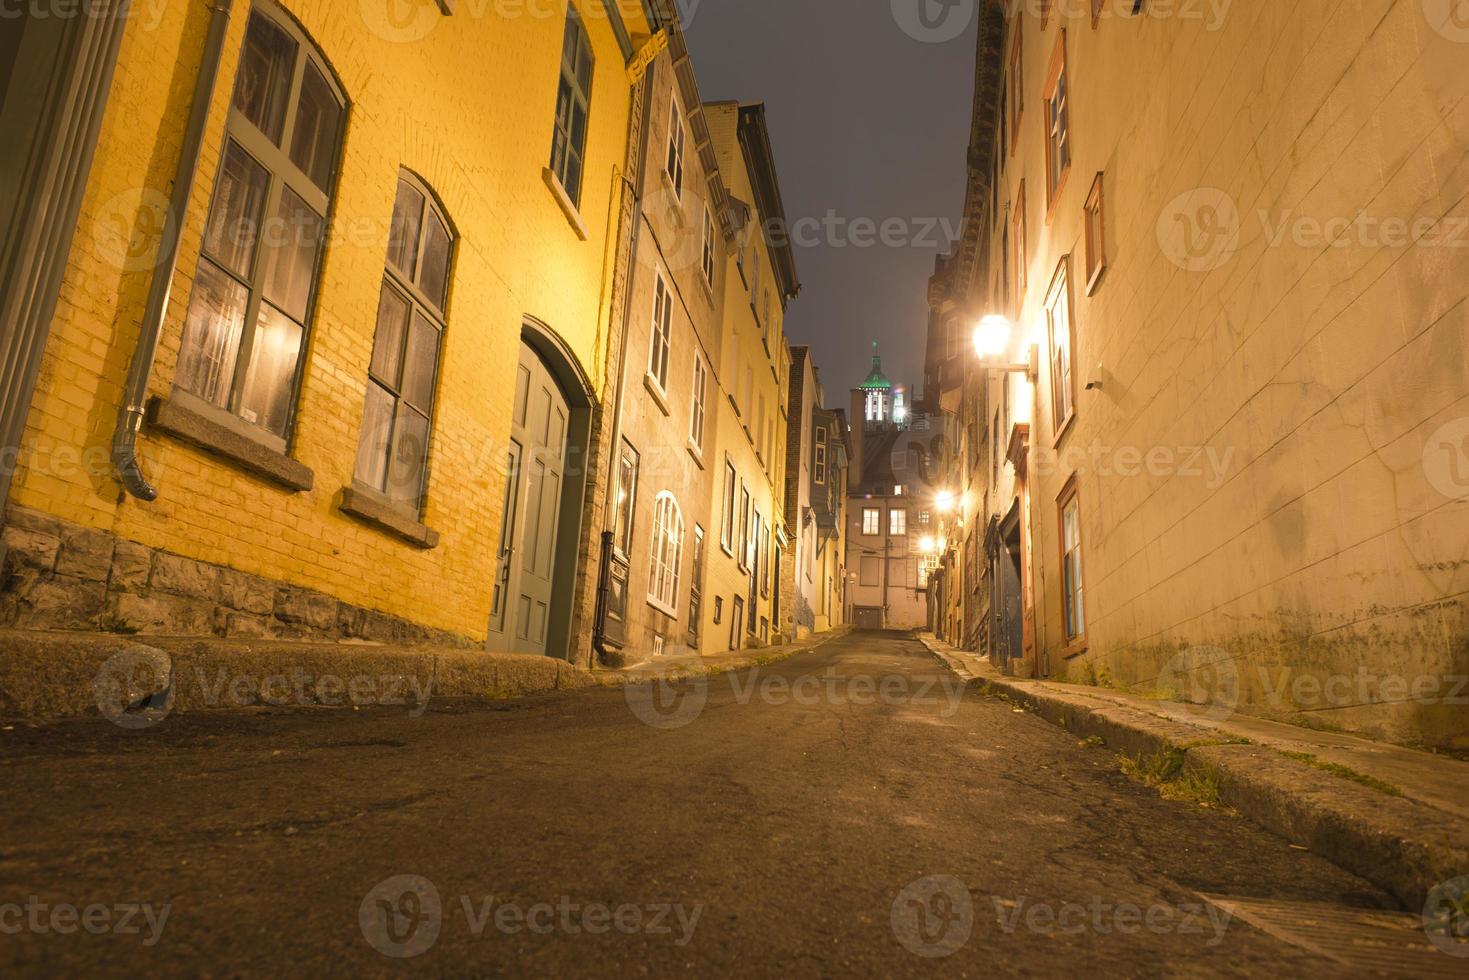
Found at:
(61, 576)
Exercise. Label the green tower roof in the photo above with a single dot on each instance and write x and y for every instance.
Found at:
(876, 379)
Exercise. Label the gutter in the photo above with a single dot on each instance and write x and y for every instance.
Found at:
(130, 419)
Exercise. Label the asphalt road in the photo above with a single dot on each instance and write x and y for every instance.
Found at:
(843, 812)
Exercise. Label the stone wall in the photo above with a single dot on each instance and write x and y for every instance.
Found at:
(62, 576)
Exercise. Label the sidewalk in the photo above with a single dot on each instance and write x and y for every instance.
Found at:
(48, 676)
(1396, 816)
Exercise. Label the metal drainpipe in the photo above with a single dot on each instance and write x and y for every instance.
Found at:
(130, 419)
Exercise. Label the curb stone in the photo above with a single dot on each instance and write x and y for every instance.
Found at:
(1403, 847)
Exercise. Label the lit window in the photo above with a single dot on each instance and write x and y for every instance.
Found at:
(392, 455)
(573, 105)
(897, 522)
(871, 521)
(667, 555)
(1058, 323)
(659, 342)
(255, 288)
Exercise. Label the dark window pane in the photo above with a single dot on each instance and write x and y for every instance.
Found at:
(407, 224)
(434, 277)
(377, 430)
(572, 180)
(211, 339)
(410, 450)
(392, 325)
(270, 380)
(318, 123)
(422, 358)
(234, 217)
(263, 82)
(584, 70)
(292, 241)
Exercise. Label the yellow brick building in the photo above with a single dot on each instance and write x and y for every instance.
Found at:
(463, 165)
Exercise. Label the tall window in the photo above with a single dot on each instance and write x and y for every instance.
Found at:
(255, 287)
(676, 137)
(744, 552)
(871, 521)
(821, 455)
(1096, 236)
(659, 342)
(1018, 241)
(393, 453)
(897, 521)
(1058, 124)
(667, 554)
(573, 106)
(1073, 608)
(700, 405)
(627, 497)
(727, 532)
(1058, 323)
(1016, 86)
(708, 259)
(696, 588)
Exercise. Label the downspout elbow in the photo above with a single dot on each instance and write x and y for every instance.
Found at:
(125, 462)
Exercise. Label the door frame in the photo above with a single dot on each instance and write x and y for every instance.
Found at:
(576, 386)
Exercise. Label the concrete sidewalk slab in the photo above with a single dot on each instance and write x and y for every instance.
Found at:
(1396, 816)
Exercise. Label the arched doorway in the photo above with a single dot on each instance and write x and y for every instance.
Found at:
(544, 486)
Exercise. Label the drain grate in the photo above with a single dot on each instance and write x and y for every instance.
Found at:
(1386, 943)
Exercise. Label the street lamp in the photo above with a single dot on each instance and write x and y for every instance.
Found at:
(993, 339)
(943, 501)
(926, 545)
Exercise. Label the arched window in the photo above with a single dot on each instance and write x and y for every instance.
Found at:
(667, 554)
(255, 288)
(392, 457)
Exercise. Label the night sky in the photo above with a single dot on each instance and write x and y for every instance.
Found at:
(865, 121)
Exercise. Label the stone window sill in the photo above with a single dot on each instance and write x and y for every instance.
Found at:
(563, 200)
(385, 515)
(660, 397)
(177, 419)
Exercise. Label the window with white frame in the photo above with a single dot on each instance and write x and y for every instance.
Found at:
(676, 137)
(700, 404)
(708, 246)
(1058, 124)
(659, 342)
(897, 521)
(821, 460)
(1058, 324)
(727, 532)
(744, 552)
(392, 453)
(667, 554)
(871, 521)
(253, 294)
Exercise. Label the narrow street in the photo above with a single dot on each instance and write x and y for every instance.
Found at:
(785, 825)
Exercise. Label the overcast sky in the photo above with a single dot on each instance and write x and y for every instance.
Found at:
(870, 123)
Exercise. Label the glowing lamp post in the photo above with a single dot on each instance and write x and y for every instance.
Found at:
(993, 339)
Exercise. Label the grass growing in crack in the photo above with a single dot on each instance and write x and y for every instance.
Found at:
(1165, 772)
(1345, 772)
